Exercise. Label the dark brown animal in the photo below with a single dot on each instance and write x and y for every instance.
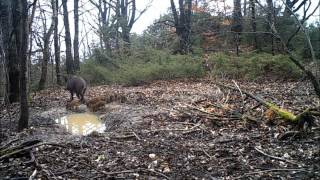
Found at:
(78, 86)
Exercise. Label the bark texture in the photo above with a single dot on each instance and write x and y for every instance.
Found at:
(182, 23)
(69, 57)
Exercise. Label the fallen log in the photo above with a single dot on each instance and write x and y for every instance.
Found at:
(303, 120)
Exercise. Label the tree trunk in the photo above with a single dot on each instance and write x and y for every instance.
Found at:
(44, 66)
(188, 26)
(126, 38)
(76, 36)
(30, 21)
(182, 24)
(290, 5)
(10, 49)
(253, 22)
(14, 27)
(46, 52)
(244, 8)
(69, 58)
(237, 23)
(270, 17)
(56, 42)
(2, 70)
(13, 71)
(22, 45)
(126, 19)
(106, 27)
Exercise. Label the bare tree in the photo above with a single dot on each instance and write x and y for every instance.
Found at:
(291, 6)
(312, 76)
(237, 23)
(46, 46)
(30, 22)
(305, 16)
(182, 23)
(270, 17)
(76, 35)
(2, 68)
(106, 25)
(20, 17)
(115, 21)
(127, 15)
(10, 50)
(125, 19)
(253, 22)
(244, 7)
(69, 57)
(14, 15)
(56, 41)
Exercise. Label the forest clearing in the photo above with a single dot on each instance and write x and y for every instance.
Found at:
(150, 89)
(172, 129)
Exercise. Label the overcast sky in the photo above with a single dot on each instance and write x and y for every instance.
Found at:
(157, 8)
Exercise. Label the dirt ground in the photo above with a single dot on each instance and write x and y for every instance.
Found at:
(185, 129)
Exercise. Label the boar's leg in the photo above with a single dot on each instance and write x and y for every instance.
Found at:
(82, 99)
(71, 92)
(82, 95)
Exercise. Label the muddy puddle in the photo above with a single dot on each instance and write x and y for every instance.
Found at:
(81, 123)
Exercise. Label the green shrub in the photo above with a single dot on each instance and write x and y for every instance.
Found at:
(149, 65)
(96, 73)
(254, 65)
(143, 66)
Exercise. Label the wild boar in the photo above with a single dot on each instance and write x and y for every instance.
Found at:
(77, 85)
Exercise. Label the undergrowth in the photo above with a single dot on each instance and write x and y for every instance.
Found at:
(145, 66)
(148, 65)
(253, 65)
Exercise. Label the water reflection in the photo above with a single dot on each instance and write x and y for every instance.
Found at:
(82, 123)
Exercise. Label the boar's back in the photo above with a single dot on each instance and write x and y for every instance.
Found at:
(76, 84)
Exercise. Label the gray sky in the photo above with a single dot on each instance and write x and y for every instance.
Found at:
(157, 8)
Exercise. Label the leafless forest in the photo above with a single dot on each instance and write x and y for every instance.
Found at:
(212, 89)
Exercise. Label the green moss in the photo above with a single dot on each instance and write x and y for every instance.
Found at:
(283, 113)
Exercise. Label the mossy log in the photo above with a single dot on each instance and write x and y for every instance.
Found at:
(300, 119)
(284, 114)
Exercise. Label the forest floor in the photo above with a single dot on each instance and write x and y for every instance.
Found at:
(182, 129)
